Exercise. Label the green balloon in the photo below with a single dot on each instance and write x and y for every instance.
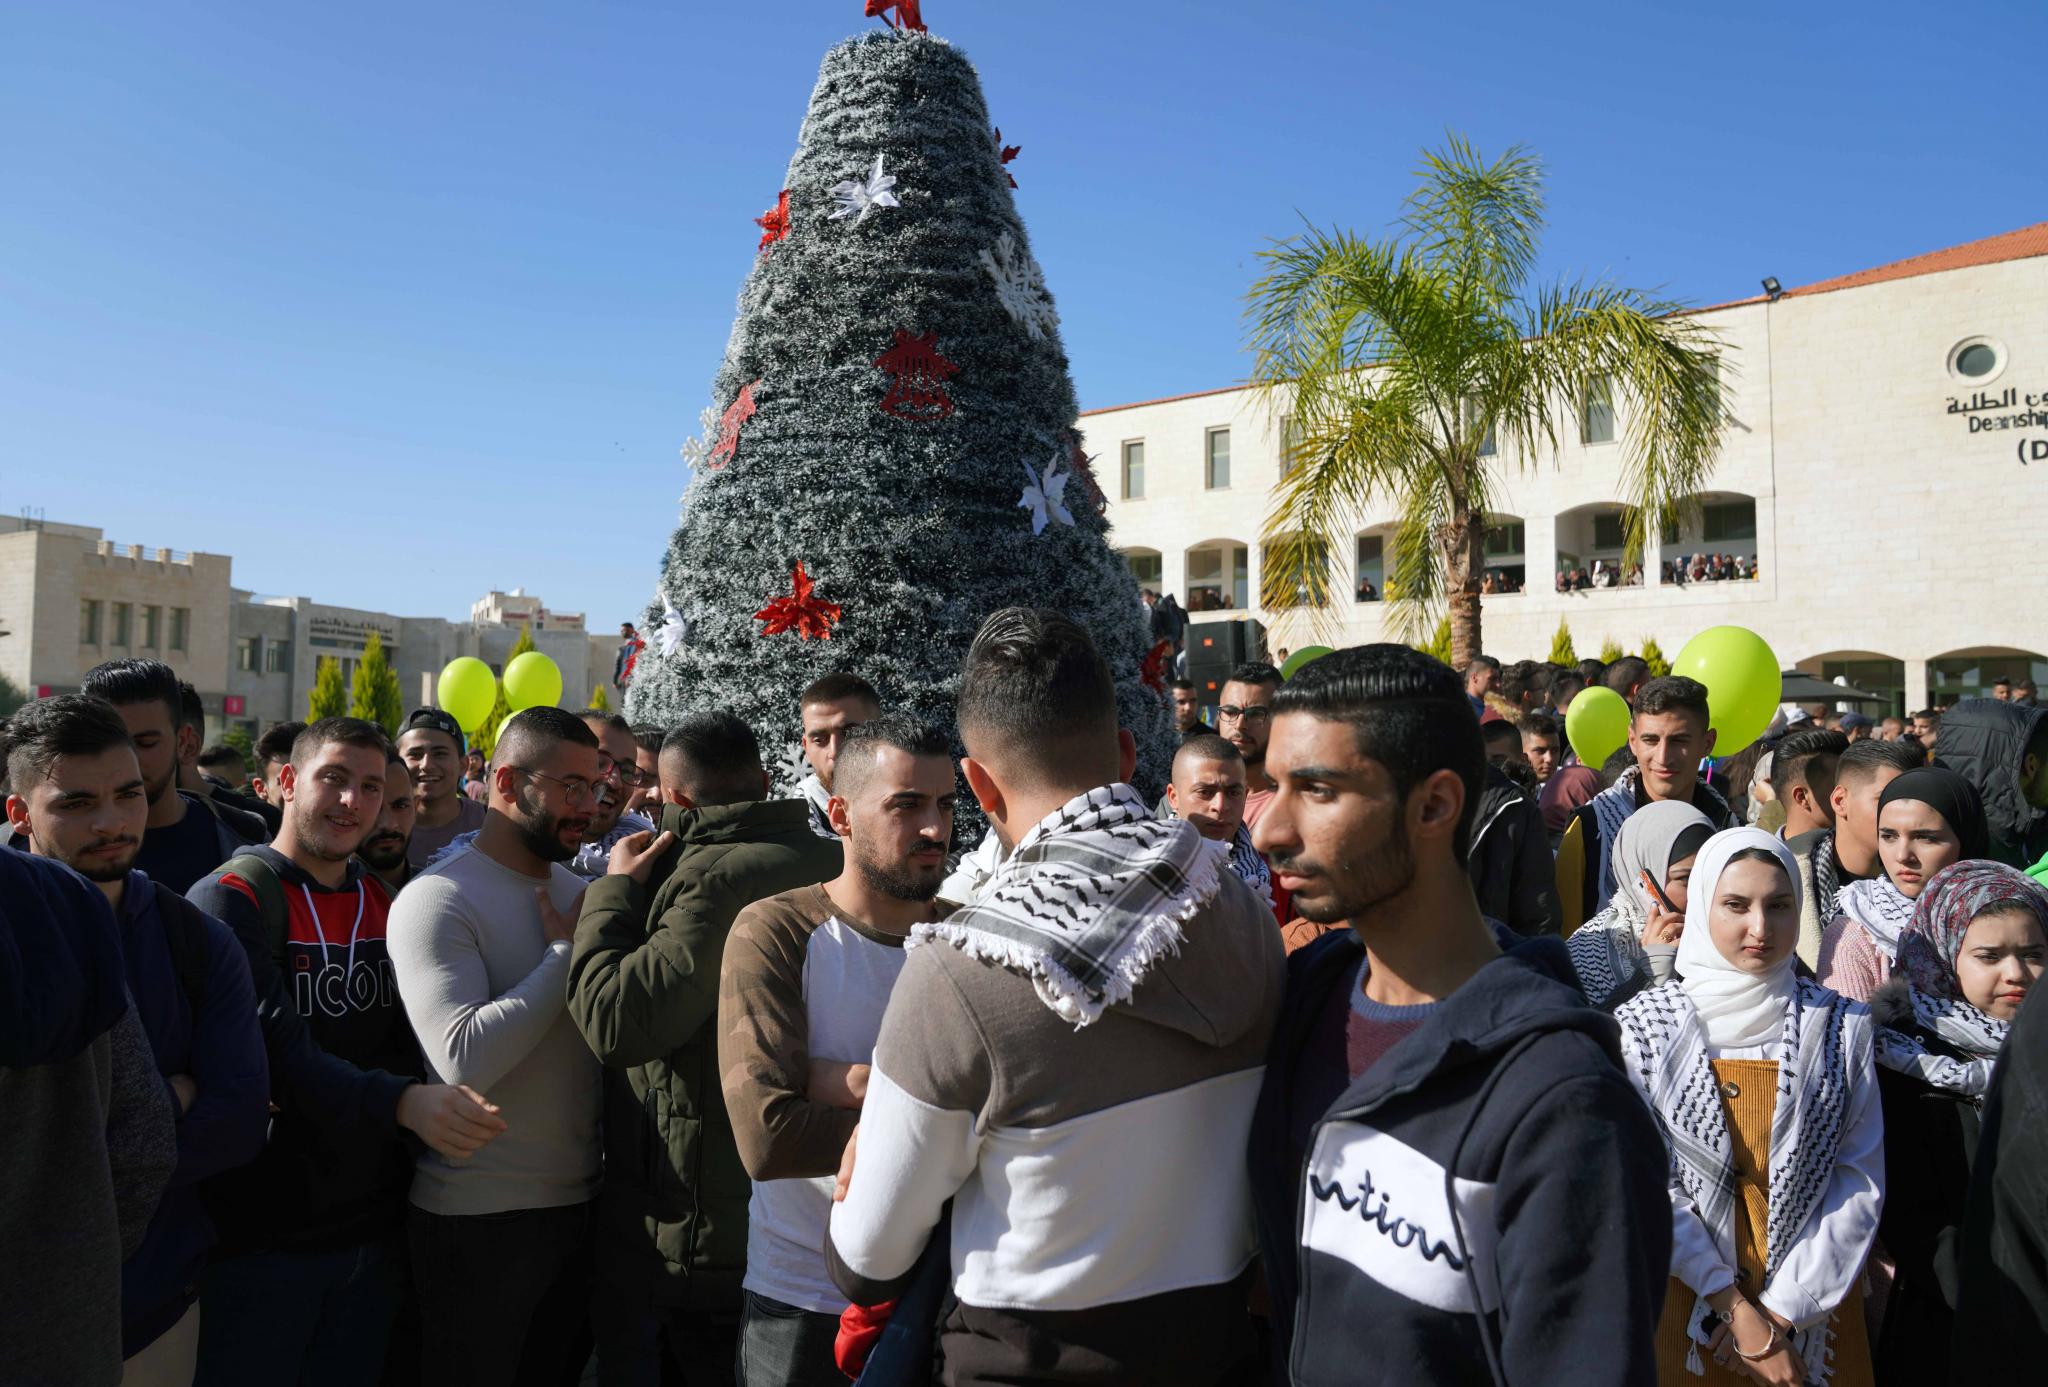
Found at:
(1597, 724)
(466, 691)
(1308, 654)
(1743, 683)
(532, 681)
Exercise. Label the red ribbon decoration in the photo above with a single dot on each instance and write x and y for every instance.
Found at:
(1153, 671)
(918, 392)
(907, 16)
(736, 414)
(1005, 153)
(799, 612)
(774, 222)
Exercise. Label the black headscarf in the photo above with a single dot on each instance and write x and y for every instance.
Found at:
(1951, 796)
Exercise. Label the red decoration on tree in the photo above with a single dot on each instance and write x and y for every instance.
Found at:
(1005, 153)
(1083, 466)
(736, 414)
(799, 612)
(907, 16)
(774, 222)
(1153, 671)
(919, 390)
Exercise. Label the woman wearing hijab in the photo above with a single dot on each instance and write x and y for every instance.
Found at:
(1926, 819)
(1975, 947)
(1633, 943)
(1766, 1089)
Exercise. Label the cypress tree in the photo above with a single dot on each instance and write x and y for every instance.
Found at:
(373, 692)
(329, 698)
(1561, 652)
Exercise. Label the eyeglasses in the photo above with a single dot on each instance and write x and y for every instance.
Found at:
(575, 787)
(628, 772)
(1235, 714)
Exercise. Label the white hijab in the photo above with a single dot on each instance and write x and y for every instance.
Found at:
(1735, 1008)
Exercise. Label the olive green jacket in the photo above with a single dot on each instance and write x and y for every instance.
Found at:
(643, 987)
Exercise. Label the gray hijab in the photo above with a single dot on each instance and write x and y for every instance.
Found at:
(1649, 841)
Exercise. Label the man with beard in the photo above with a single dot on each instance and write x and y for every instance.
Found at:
(1424, 1057)
(806, 978)
(1244, 718)
(432, 745)
(309, 1268)
(644, 988)
(480, 951)
(1187, 711)
(383, 852)
(609, 820)
(78, 797)
(182, 839)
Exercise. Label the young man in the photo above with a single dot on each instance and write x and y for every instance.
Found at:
(480, 952)
(806, 977)
(1627, 676)
(1109, 994)
(432, 745)
(2002, 749)
(78, 798)
(1501, 739)
(830, 708)
(1668, 736)
(1542, 744)
(645, 799)
(310, 1268)
(476, 771)
(1845, 850)
(1803, 781)
(1244, 718)
(1513, 871)
(1856, 726)
(1482, 677)
(241, 813)
(2001, 689)
(609, 821)
(2023, 692)
(643, 988)
(222, 767)
(1208, 791)
(1423, 1052)
(383, 852)
(1187, 713)
(1926, 727)
(183, 839)
(630, 646)
(273, 754)
(87, 1120)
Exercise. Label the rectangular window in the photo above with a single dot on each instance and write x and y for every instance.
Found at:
(277, 657)
(1487, 448)
(123, 617)
(1218, 577)
(1728, 520)
(1134, 471)
(245, 654)
(1372, 576)
(1217, 475)
(181, 627)
(1505, 538)
(88, 622)
(152, 627)
(1596, 412)
(1146, 568)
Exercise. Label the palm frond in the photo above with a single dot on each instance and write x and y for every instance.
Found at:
(1480, 221)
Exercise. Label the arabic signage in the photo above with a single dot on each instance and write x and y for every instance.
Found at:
(335, 630)
(2005, 410)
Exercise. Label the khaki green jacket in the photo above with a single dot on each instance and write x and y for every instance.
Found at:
(643, 987)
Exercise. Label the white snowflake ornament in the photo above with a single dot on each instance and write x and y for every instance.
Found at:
(1020, 286)
(697, 451)
(858, 197)
(1045, 496)
(791, 769)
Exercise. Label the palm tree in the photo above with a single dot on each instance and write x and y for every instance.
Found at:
(1399, 363)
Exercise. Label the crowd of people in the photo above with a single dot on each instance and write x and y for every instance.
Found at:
(1389, 1044)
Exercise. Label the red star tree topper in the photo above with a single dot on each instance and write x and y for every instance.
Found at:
(800, 611)
(907, 16)
(736, 414)
(918, 391)
(1005, 153)
(774, 222)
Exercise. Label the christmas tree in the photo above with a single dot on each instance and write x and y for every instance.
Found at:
(890, 455)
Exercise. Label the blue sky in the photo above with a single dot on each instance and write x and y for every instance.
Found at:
(398, 303)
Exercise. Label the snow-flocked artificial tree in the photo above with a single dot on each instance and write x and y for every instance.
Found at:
(891, 452)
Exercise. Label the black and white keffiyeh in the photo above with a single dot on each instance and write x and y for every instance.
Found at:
(1908, 1016)
(1093, 896)
(1827, 882)
(1878, 906)
(1250, 864)
(1607, 951)
(819, 799)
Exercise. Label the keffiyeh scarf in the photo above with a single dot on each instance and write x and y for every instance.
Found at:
(1664, 1049)
(1250, 864)
(818, 797)
(1093, 896)
(1878, 906)
(1827, 883)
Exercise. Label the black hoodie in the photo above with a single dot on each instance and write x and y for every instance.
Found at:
(1513, 1089)
(1985, 742)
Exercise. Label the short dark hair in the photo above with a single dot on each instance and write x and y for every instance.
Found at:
(1542, 725)
(1674, 693)
(1256, 672)
(1568, 684)
(647, 736)
(131, 681)
(1592, 671)
(1500, 730)
(1207, 747)
(531, 733)
(1522, 678)
(44, 729)
(1482, 661)
(2001, 679)
(327, 732)
(1183, 685)
(1929, 714)
(276, 742)
(1806, 757)
(1408, 711)
(714, 758)
(1036, 679)
(831, 688)
(2024, 683)
(907, 734)
(611, 721)
(1861, 760)
(1626, 673)
(1616, 765)
(191, 710)
(221, 754)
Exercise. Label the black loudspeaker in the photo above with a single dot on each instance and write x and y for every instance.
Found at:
(1217, 647)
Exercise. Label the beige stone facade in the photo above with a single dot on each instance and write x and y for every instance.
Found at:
(1885, 462)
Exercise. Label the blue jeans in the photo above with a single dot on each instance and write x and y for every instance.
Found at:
(783, 1346)
(315, 1319)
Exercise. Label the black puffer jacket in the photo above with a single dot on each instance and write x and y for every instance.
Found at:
(1512, 870)
(1985, 742)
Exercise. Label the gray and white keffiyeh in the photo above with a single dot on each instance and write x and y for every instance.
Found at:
(1664, 1050)
(1095, 894)
(1906, 1014)
(1250, 864)
(1881, 909)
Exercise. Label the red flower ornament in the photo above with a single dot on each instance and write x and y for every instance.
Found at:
(774, 222)
(799, 611)
(907, 16)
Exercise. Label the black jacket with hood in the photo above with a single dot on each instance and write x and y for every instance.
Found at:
(1985, 742)
(1511, 1093)
(1512, 870)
